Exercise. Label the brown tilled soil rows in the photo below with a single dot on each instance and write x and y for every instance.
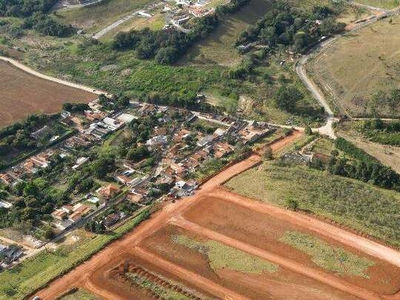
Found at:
(215, 214)
(23, 94)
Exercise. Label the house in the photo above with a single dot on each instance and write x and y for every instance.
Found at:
(6, 179)
(79, 162)
(205, 141)
(158, 140)
(108, 191)
(111, 219)
(75, 217)
(67, 208)
(134, 197)
(81, 208)
(178, 169)
(112, 124)
(59, 214)
(123, 179)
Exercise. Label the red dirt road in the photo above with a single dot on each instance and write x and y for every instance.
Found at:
(81, 276)
(286, 263)
(355, 241)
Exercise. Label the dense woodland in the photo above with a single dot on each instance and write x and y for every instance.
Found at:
(287, 26)
(35, 15)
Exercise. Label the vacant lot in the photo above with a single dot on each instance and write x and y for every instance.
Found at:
(95, 17)
(293, 242)
(359, 205)
(357, 66)
(225, 266)
(23, 94)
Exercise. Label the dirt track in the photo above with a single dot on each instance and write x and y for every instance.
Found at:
(81, 276)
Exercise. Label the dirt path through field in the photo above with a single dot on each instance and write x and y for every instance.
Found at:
(49, 78)
(286, 263)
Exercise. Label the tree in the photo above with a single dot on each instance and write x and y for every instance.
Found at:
(287, 97)
(308, 130)
(166, 56)
(292, 204)
(268, 155)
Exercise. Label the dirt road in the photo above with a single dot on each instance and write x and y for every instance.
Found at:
(286, 263)
(200, 281)
(355, 241)
(53, 79)
(79, 275)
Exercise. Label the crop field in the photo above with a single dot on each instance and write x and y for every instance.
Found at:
(23, 94)
(217, 244)
(357, 66)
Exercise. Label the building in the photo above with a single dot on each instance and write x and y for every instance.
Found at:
(109, 191)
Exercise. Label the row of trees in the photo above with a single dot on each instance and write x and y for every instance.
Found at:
(166, 46)
(292, 27)
(362, 166)
(381, 132)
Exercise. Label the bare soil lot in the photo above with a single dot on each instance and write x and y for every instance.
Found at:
(265, 231)
(23, 94)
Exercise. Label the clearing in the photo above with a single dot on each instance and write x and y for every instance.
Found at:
(353, 68)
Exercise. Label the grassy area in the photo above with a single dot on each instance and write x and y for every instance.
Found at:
(323, 146)
(333, 259)
(350, 202)
(155, 288)
(95, 17)
(221, 256)
(218, 48)
(386, 4)
(387, 155)
(156, 22)
(79, 294)
(36, 271)
(357, 66)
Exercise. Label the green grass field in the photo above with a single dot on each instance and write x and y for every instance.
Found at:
(333, 259)
(36, 271)
(221, 256)
(353, 203)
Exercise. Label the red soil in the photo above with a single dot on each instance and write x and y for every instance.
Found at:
(264, 230)
(295, 278)
(23, 94)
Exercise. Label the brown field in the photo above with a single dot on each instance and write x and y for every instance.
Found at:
(217, 244)
(358, 65)
(23, 94)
